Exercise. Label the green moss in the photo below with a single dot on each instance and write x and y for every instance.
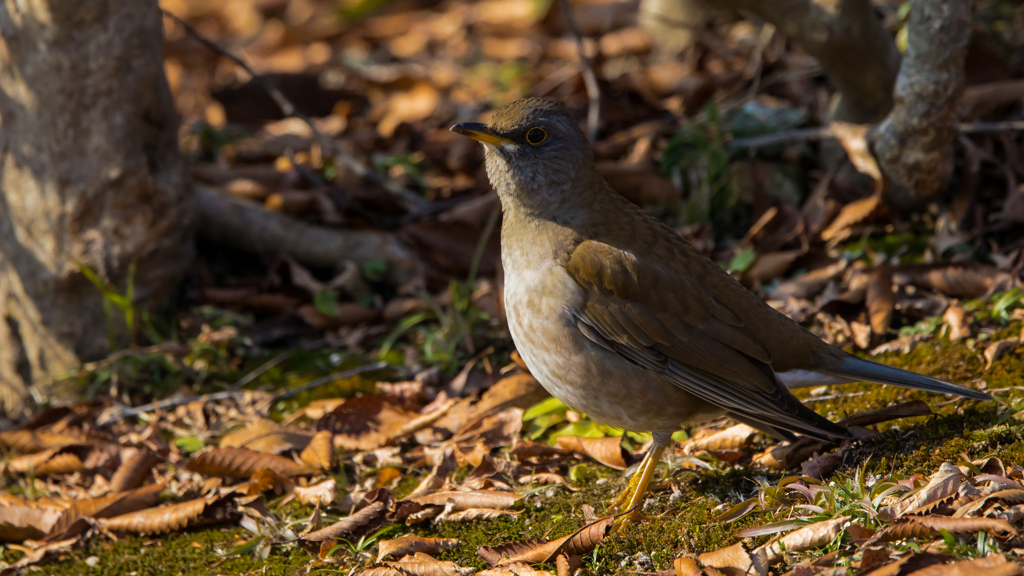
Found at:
(684, 523)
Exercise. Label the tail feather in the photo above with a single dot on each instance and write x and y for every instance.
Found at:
(854, 368)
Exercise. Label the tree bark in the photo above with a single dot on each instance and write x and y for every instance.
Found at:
(91, 177)
(913, 145)
(856, 51)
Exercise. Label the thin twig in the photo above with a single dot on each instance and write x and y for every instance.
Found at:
(587, 69)
(284, 395)
(481, 246)
(261, 370)
(231, 394)
(411, 201)
(824, 132)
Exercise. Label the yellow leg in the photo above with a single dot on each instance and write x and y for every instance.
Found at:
(638, 483)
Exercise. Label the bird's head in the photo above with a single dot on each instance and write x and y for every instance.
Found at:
(535, 151)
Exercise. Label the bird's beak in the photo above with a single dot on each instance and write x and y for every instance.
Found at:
(481, 133)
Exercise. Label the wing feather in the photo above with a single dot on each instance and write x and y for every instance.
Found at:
(669, 324)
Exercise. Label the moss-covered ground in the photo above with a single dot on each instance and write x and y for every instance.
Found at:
(684, 523)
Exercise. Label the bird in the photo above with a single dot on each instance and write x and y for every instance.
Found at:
(619, 317)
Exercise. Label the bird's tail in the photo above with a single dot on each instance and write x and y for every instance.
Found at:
(854, 368)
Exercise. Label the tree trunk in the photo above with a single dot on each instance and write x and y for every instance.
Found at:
(91, 177)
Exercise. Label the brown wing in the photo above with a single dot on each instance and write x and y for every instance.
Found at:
(669, 323)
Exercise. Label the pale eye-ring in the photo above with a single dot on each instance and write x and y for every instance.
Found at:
(536, 136)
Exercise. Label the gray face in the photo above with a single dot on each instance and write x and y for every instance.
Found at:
(538, 159)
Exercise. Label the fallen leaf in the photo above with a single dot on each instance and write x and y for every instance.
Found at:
(105, 507)
(134, 470)
(322, 494)
(319, 453)
(546, 478)
(411, 544)
(736, 556)
(539, 552)
(242, 462)
(879, 299)
(954, 317)
(943, 484)
(994, 565)
(514, 569)
(474, 514)
(170, 517)
(803, 539)
(22, 520)
(930, 526)
(370, 515)
(265, 435)
(732, 438)
(958, 281)
(365, 422)
(27, 441)
(607, 450)
(466, 500)
(850, 215)
(996, 349)
(854, 139)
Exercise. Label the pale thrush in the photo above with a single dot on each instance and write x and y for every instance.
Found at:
(619, 317)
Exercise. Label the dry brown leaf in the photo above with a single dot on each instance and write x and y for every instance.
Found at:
(996, 349)
(851, 214)
(607, 450)
(994, 565)
(322, 494)
(943, 483)
(444, 463)
(410, 544)
(134, 469)
(802, 539)
(422, 421)
(500, 429)
(420, 564)
(955, 317)
(319, 453)
(736, 556)
(546, 478)
(22, 520)
(465, 500)
(879, 299)
(824, 464)
(514, 569)
(527, 450)
(538, 551)
(854, 138)
(371, 515)
(474, 514)
(28, 441)
(687, 566)
(243, 462)
(930, 526)
(732, 438)
(105, 507)
(516, 391)
(958, 281)
(365, 422)
(170, 517)
(265, 435)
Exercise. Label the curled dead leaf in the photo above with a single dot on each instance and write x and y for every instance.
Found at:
(732, 438)
(170, 517)
(243, 462)
(319, 453)
(539, 551)
(931, 526)
(371, 515)
(134, 470)
(105, 507)
(410, 544)
(803, 539)
(465, 500)
(607, 450)
(322, 494)
(265, 435)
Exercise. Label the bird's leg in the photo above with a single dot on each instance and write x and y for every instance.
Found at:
(642, 477)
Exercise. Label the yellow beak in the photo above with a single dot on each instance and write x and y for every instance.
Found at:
(481, 133)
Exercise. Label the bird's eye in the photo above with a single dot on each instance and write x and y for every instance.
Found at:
(536, 136)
